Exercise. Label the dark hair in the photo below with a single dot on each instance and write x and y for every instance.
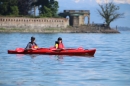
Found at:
(33, 37)
(59, 38)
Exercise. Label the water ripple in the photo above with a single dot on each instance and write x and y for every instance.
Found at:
(109, 67)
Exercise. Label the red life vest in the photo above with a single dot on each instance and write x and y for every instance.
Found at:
(60, 45)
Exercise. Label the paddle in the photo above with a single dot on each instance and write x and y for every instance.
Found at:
(57, 49)
(54, 49)
(79, 48)
(19, 49)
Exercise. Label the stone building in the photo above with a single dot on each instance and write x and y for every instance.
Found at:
(77, 17)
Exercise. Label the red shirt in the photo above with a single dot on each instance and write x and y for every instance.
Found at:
(60, 45)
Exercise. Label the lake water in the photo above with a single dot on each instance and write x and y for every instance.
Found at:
(109, 67)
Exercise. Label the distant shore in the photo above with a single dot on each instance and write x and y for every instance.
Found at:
(49, 25)
(59, 30)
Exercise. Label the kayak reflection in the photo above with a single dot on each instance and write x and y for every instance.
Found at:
(57, 57)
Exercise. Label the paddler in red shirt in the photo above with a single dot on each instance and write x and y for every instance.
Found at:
(32, 45)
(59, 44)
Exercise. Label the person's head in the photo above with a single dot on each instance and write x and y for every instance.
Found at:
(32, 39)
(59, 40)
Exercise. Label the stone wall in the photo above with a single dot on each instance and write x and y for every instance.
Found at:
(32, 23)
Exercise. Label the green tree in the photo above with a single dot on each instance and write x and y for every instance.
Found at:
(3, 8)
(54, 7)
(109, 13)
(8, 7)
(24, 6)
(14, 11)
(47, 7)
(15, 7)
(47, 12)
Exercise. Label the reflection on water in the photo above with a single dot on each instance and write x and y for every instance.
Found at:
(56, 57)
(109, 67)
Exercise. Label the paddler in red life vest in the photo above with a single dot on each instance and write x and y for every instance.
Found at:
(32, 45)
(59, 44)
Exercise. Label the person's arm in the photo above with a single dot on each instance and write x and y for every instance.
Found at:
(56, 46)
(28, 47)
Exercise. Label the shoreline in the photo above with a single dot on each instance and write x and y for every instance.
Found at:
(58, 30)
(49, 25)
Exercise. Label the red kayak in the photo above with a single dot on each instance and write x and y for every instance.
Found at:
(48, 51)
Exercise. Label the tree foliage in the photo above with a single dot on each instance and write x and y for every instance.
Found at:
(3, 8)
(15, 7)
(109, 13)
(47, 7)
(24, 6)
(14, 11)
(8, 7)
(54, 7)
(47, 12)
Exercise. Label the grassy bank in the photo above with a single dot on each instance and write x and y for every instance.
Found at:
(59, 30)
(43, 30)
